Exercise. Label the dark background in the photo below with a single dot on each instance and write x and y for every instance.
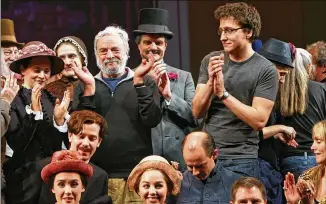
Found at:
(300, 22)
(48, 21)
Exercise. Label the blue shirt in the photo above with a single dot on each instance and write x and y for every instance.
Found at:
(216, 189)
(113, 82)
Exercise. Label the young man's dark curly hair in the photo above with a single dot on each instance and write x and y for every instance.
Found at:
(247, 16)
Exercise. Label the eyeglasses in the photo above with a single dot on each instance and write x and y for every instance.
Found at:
(228, 31)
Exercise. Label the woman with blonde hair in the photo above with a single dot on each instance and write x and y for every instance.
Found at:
(300, 103)
(154, 179)
(311, 186)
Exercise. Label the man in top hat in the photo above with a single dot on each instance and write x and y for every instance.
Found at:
(318, 52)
(73, 52)
(176, 86)
(236, 89)
(10, 48)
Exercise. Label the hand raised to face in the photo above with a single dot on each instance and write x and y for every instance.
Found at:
(36, 97)
(143, 69)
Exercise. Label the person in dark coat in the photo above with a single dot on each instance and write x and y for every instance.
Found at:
(34, 114)
(129, 102)
(34, 111)
(86, 129)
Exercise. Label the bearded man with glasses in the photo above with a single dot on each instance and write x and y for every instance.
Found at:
(236, 90)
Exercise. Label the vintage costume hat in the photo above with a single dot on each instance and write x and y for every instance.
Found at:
(159, 163)
(66, 161)
(277, 51)
(8, 33)
(37, 49)
(153, 21)
(78, 43)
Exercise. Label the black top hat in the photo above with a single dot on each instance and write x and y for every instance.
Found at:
(277, 51)
(153, 21)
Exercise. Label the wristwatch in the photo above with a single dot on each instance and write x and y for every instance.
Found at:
(225, 95)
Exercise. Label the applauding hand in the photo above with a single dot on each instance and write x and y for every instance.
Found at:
(61, 109)
(10, 89)
(143, 69)
(36, 97)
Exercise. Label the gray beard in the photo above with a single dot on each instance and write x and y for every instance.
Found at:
(113, 71)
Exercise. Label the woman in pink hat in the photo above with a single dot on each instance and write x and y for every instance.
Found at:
(67, 176)
(34, 111)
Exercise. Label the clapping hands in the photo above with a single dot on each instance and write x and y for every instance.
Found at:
(61, 108)
(10, 89)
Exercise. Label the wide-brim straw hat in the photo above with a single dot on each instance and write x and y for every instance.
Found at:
(66, 161)
(37, 49)
(158, 163)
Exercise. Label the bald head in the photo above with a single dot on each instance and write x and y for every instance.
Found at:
(199, 155)
(198, 140)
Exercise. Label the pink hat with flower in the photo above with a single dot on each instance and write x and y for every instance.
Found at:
(66, 160)
(37, 49)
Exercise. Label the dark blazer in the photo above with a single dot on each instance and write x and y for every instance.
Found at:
(177, 119)
(96, 191)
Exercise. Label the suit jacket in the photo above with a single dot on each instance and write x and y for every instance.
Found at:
(177, 120)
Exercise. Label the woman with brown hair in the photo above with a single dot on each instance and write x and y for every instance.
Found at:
(311, 186)
(154, 179)
(34, 111)
(67, 176)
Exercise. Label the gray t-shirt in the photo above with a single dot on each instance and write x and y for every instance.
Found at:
(254, 77)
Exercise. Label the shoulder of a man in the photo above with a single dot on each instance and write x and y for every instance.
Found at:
(45, 161)
(264, 63)
(98, 172)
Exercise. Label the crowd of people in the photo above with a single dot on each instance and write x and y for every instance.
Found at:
(253, 130)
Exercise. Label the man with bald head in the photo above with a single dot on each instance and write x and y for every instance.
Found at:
(205, 180)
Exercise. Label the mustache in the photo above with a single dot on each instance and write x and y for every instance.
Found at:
(153, 51)
(114, 59)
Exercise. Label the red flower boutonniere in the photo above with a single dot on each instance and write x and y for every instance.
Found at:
(173, 76)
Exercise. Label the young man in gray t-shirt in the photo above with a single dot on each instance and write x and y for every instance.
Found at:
(236, 89)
